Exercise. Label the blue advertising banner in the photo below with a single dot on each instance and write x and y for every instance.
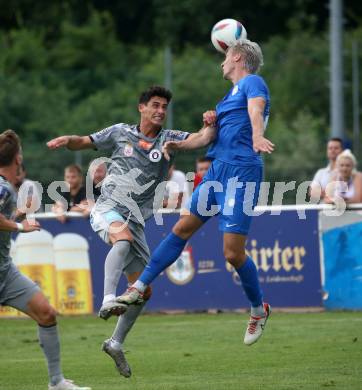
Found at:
(343, 267)
(284, 248)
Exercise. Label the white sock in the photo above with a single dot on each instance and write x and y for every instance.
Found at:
(139, 286)
(257, 311)
(116, 345)
(109, 297)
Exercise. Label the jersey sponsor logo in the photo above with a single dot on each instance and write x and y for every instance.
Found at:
(235, 90)
(128, 150)
(182, 270)
(155, 155)
(144, 144)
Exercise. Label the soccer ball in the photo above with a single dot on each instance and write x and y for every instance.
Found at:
(227, 33)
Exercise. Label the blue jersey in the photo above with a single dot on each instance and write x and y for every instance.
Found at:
(234, 143)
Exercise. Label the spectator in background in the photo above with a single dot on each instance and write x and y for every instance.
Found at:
(202, 166)
(346, 182)
(30, 196)
(177, 193)
(98, 173)
(325, 175)
(75, 197)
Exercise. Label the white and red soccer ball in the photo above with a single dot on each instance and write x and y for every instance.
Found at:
(227, 33)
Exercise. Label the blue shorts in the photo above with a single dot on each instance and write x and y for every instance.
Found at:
(229, 191)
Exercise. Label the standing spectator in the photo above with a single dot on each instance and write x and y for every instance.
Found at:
(202, 166)
(346, 182)
(324, 175)
(177, 192)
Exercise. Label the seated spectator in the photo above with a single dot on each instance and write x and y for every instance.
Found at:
(202, 166)
(76, 196)
(347, 182)
(176, 194)
(324, 175)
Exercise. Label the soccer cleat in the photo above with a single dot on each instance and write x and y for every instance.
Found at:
(131, 296)
(67, 384)
(256, 326)
(118, 358)
(111, 308)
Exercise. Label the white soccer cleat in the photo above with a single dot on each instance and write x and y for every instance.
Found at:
(256, 326)
(131, 296)
(111, 308)
(66, 384)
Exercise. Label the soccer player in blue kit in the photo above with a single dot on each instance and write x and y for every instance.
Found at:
(239, 123)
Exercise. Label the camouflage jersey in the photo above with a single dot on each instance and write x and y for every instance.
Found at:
(137, 166)
(8, 199)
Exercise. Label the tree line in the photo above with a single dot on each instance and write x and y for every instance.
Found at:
(67, 68)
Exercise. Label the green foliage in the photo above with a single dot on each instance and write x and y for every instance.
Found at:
(297, 73)
(299, 149)
(73, 70)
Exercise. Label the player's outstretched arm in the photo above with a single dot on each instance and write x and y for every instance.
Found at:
(255, 110)
(194, 141)
(71, 142)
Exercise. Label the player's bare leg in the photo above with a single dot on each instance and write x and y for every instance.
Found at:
(121, 238)
(185, 227)
(44, 314)
(234, 252)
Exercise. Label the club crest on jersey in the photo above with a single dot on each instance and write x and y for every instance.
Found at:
(182, 270)
(128, 150)
(235, 90)
(155, 155)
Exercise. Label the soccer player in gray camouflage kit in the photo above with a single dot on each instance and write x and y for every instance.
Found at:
(17, 290)
(132, 190)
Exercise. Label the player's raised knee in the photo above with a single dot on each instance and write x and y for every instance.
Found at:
(118, 231)
(47, 316)
(235, 257)
(183, 230)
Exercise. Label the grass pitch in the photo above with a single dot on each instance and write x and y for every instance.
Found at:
(195, 351)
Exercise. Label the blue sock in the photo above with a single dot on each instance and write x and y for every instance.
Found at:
(249, 279)
(163, 256)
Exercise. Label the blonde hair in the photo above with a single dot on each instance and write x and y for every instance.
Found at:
(349, 155)
(251, 53)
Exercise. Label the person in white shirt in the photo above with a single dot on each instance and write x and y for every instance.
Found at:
(324, 175)
(177, 189)
(346, 182)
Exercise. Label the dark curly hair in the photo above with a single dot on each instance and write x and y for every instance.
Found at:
(155, 90)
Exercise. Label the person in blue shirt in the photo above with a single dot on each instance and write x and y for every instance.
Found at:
(231, 186)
